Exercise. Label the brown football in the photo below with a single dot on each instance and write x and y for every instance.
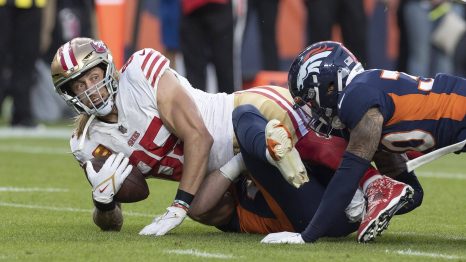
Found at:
(133, 189)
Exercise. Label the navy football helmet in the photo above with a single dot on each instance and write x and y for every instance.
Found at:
(316, 78)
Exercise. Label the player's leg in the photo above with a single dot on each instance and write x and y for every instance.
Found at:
(411, 180)
(290, 204)
(220, 32)
(193, 48)
(270, 141)
(25, 53)
(251, 213)
(298, 206)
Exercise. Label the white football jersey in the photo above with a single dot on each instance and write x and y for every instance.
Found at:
(140, 133)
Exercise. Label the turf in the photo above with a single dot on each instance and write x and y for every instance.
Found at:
(53, 223)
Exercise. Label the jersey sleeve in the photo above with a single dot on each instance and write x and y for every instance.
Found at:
(359, 97)
(79, 154)
(144, 69)
(90, 150)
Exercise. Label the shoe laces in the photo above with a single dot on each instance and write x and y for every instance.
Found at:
(378, 191)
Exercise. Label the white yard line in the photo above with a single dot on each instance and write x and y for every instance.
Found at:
(67, 209)
(431, 235)
(197, 253)
(409, 252)
(32, 189)
(40, 132)
(441, 175)
(34, 149)
(4, 257)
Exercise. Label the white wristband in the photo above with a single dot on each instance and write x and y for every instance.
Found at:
(233, 168)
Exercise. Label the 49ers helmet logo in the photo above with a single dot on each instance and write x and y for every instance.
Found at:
(99, 46)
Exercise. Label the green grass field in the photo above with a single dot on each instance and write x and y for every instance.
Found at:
(45, 214)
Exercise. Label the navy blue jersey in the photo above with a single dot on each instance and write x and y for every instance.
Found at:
(420, 114)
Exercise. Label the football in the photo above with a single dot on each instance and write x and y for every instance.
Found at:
(133, 189)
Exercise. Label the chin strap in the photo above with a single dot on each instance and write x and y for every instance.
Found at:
(83, 136)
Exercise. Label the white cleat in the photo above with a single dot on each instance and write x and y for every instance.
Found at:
(282, 154)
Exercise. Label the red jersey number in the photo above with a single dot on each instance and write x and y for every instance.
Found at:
(156, 157)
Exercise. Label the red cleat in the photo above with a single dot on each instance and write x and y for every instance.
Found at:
(385, 197)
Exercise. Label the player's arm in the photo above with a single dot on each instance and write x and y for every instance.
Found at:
(108, 218)
(105, 183)
(219, 211)
(363, 143)
(211, 204)
(390, 164)
(180, 115)
(213, 188)
(365, 137)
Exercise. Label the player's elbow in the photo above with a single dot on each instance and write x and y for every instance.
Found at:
(209, 139)
(200, 216)
(203, 138)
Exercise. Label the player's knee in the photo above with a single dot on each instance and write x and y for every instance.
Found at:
(411, 179)
(418, 197)
(242, 110)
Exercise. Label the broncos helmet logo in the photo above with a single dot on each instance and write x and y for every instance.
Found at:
(311, 64)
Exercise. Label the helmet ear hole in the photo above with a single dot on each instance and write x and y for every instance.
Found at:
(67, 90)
(103, 66)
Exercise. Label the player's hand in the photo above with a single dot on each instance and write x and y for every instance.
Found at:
(166, 222)
(107, 182)
(111, 220)
(283, 238)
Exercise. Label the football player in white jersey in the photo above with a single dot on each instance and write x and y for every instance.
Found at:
(157, 122)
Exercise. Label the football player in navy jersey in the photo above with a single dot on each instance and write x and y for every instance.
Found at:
(384, 114)
(290, 209)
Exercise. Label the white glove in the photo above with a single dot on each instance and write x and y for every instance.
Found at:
(166, 222)
(107, 182)
(283, 238)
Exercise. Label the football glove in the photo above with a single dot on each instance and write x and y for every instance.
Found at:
(166, 222)
(283, 238)
(107, 182)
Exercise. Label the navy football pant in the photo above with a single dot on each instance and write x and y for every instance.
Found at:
(299, 205)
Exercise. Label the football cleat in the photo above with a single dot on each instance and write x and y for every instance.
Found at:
(282, 154)
(385, 197)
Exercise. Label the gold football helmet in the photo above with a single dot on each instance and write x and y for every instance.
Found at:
(75, 58)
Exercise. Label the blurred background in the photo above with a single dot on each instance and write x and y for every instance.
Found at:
(219, 45)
